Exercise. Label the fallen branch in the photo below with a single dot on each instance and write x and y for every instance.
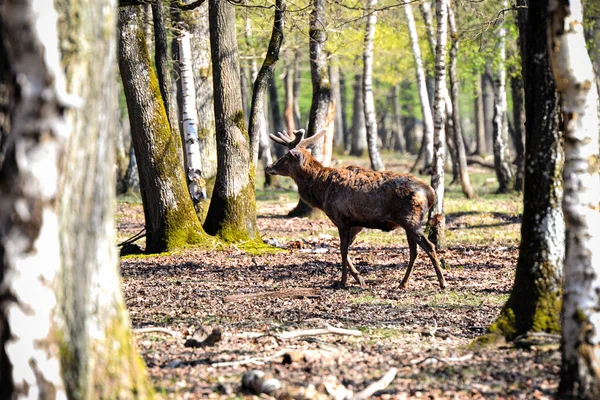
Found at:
(316, 332)
(151, 329)
(295, 293)
(479, 160)
(376, 386)
(445, 360)
(252, 360)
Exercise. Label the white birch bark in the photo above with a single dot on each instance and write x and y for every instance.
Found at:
(575, 80)
(29, 239)
(503, 172)
(370, 117)
(193, 173)
(439, 116)
(422, 87)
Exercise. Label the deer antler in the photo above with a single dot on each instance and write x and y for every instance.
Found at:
(287, 140)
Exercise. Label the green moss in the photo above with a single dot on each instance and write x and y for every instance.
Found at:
(489, 340)
(240, 122)
(505, 324)
(204, 133)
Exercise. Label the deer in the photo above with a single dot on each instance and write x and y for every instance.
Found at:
(355, 197)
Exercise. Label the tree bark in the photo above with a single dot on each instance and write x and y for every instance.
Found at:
(170, 218)
(436, 233)
(344, 107)
(535, 300)
(576, 82)
(358, 142)
(297, 83)
(487, 89)
(504, 174)
(370, 116)
(62, 311)
(336, 94)
(232, 210)
(481, 149)
(516, 83)
(398, 141)
(460, 153)
(275, 111)
(288, 111)
(426, 151)
(321, 89)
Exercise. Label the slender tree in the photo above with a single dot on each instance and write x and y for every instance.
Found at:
(169, 215)
(370, 116)
(460, 153)
(399, 142)
(232, 211)
(439, 117)
(575, 81)
(358, 142)
(480, 149)
(61, 307)
(535, 300)
(427, 145)
(336, 94)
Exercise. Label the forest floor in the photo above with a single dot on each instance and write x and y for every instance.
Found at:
(423, 334)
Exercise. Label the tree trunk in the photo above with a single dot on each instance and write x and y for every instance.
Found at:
(193, 168)
(503, 172)
(344, 107)
(288, 111)
(258, 131)
(370, 117)
(170, 218)
(481, 149)
(62, 311)
(575, 81)
(426, 152)
(460, 153)
(232, 210)
(161, 60)
(321, 89)
(535, 300)
(516, 83)
(487, 89)
(398, 141)
(297, 83)
(358, 142)
(436, 233)
(278, 123)
(338, 129)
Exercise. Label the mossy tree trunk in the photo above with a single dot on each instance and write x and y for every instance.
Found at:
(232, 211)
(62, 187)
(576, 82)
(321, 89)
(535, 300)
(171, 221)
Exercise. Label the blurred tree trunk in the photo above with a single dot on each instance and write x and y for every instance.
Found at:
(481, 149)
(426, 150)
(297, 83)
(504, 174)
(336, 94)
(398, 141)
(487, 89)
(358, 142)
(288, 111)
(344, 108)
(535, 300)
(436, 234)
(460, 152)
(171, 221)
(576, 82)
(275, 111)
(62, 311)
(321, 89)
(370, 116)
(232, 211)
(518, 131)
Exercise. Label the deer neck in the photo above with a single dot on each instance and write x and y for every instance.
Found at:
(312, 182)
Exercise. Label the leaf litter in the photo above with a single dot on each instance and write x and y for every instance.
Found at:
(421, 333)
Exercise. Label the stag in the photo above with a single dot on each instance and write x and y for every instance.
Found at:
(355, 198)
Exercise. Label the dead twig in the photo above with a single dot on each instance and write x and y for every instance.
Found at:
(252, 360)
(445, 360)
(376, 386)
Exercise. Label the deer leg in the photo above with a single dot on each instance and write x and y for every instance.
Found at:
(412, 246)
(430, 250)
(347, 236)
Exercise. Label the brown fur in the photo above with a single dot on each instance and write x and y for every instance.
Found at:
(355, 198)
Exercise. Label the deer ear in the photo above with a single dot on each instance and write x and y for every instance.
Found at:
(297, 154)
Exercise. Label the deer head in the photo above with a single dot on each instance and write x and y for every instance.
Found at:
(288, 164)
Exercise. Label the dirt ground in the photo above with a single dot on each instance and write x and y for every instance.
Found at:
(422, 333)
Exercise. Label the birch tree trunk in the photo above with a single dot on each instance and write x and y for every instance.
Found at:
(288, 111)
(487, 89)
(336, 94)
(344, 107)
(398, 141)
(168, 211)
(195, 181)
(460, 152)
(535, 300)
(62, 312)
(436, 233)
(232, 211)
(426, 152)
(370, 116)
(503, 172)
(297, 83)
(576, 82)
